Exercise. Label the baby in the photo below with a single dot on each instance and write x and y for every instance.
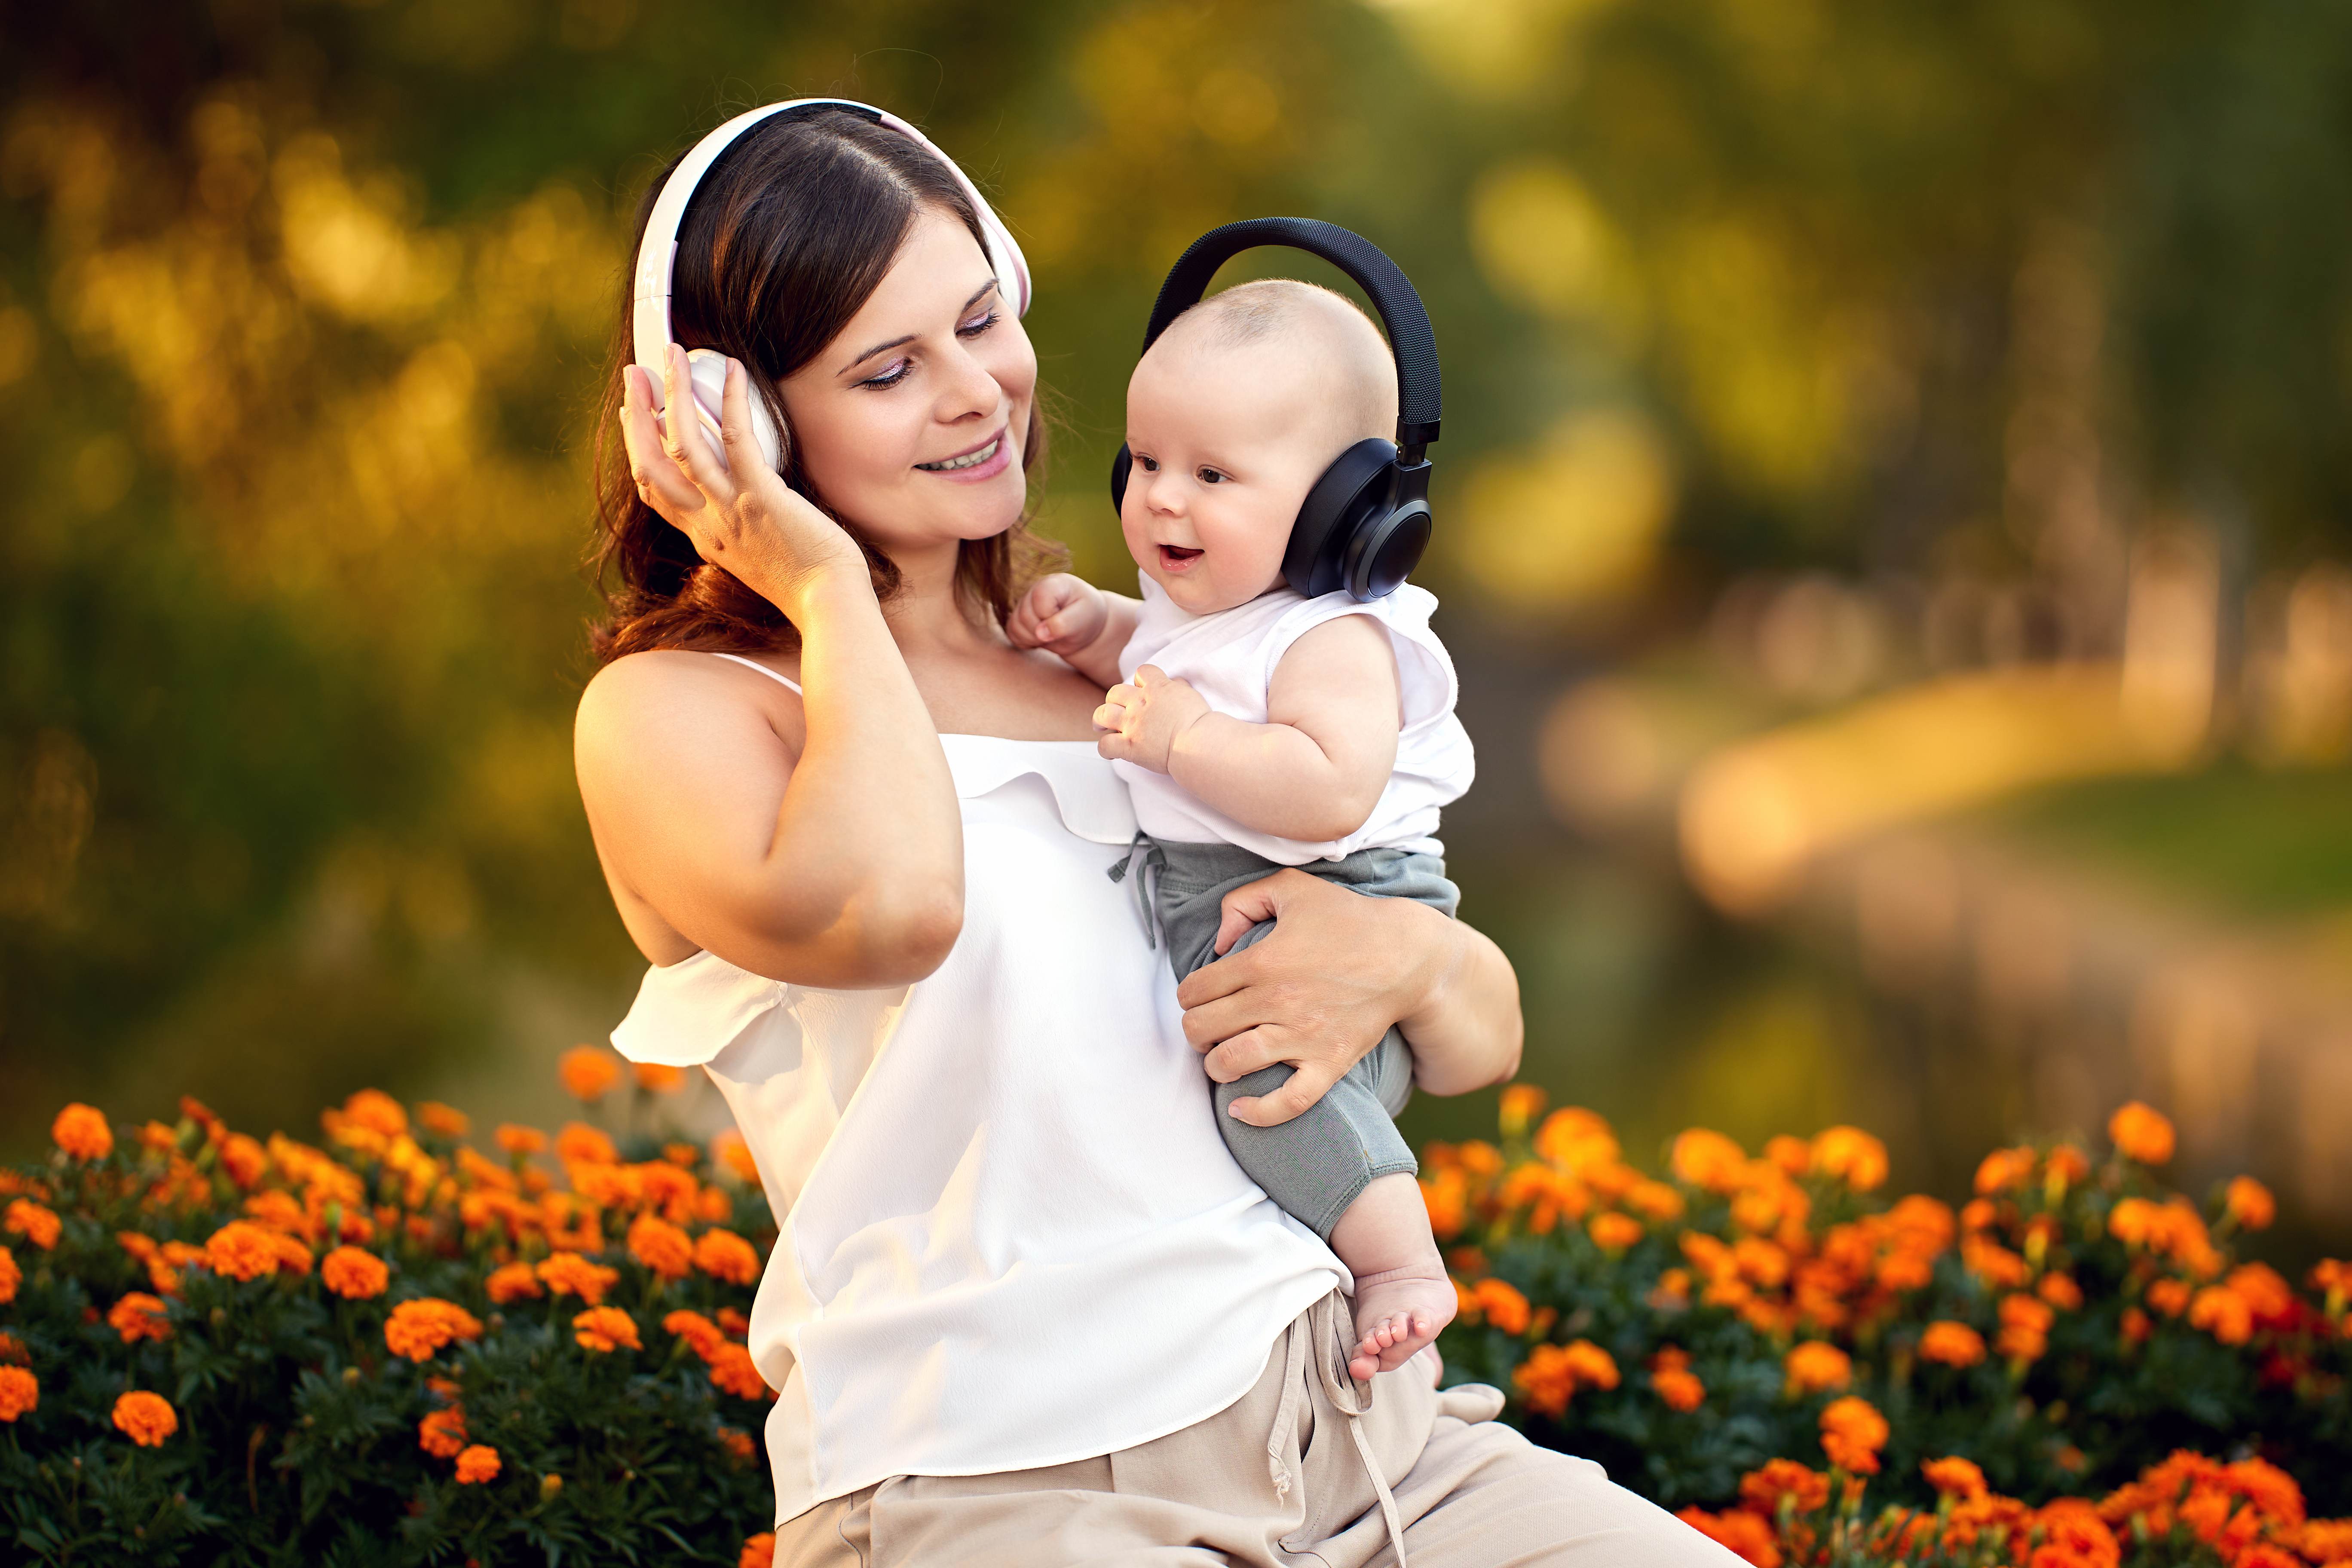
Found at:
(1258, 729)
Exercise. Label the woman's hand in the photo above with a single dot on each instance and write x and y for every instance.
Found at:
(738, 511)
(1337, 970)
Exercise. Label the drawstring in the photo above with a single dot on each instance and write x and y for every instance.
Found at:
(1348, 1397)
(1145, 859)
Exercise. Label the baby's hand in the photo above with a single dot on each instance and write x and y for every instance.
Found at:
(1141, 721)
(1061, 614)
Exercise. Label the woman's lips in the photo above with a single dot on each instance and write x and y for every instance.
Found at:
(994, 457)
(1176, 558)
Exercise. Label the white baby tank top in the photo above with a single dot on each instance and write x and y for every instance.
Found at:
(1229, 657)
(1010, 1233)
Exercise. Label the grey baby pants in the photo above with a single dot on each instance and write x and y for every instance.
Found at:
(1315, 1164)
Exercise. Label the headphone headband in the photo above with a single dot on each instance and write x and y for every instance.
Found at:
(651, 284)
(1391, 293)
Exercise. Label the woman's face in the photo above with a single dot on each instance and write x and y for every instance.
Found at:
(910, 423)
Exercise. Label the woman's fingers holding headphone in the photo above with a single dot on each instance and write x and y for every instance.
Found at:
(660, 483)
(682, 435)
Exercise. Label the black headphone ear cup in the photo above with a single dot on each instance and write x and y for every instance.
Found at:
(1120, 466)
(1352, 491)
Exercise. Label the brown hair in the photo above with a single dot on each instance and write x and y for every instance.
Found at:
(786, 239)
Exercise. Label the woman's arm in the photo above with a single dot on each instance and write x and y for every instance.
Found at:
(835, 862)
(1338, 969)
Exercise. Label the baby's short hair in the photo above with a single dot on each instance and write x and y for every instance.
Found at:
(1358, 371)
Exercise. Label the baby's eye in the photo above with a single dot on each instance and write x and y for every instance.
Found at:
(1211, 477)
(1149, 464)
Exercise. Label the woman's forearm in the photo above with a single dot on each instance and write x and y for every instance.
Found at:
(868, 844)
(1468, 1032)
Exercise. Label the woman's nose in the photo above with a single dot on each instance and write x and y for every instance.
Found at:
(969, 389)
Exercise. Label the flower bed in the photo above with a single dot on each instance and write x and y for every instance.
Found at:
(395, 1346)
(2067, 1330)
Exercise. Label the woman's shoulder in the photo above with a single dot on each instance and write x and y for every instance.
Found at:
(665, 695)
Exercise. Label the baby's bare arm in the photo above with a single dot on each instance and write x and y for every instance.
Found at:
(1317, 768)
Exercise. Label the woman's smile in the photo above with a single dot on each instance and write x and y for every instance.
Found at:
(984, 461)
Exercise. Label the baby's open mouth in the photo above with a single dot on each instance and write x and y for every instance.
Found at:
(1177, 555)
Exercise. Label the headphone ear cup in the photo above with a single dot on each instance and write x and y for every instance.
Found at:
(1352, 492)
(708, 370)
(1121, 465)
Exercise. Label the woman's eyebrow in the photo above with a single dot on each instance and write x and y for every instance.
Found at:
(979, 294)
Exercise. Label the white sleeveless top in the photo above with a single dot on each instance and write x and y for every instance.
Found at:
(1230, 656)
(1010, 1233)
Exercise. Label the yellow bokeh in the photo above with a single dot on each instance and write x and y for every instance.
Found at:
(1544, 243)
(1574, 519)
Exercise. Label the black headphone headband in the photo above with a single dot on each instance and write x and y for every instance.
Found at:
(1392, 292)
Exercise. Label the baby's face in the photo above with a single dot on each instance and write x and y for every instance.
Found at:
(1226, 442)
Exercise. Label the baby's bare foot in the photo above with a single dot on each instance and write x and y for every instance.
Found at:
(1398, 1312)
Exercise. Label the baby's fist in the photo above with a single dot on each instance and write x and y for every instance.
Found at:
(1141, 720)
(1061, 614)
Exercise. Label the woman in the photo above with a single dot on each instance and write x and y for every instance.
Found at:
(1024, 1308)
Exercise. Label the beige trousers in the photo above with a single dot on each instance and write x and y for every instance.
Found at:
(1307, 1469)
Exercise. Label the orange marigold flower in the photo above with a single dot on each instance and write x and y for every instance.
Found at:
(476, 1464)
(2065, 1165)
(441, 1433)
(447, 1120)
(420, 1328)
(1763, 1488)
(511, 1283)
(731, 1369)
(519, 1140)
(12, 1349)
(2136, 1326)
(83, 1131)
(1676, 1384)
(35, 1224)
(1955, 1476)
(2141, 1132)
(723, 1254)
(2060, 1291)
(377, 1111)
(292, 1256)
(243, 1160)
(20, 1392)
(661, 1247)
(146, 1418)
(588, 1073)
(701, 1335)
(2074, 1536)
(582, 1144)
(759, 1550)
(2136, 1222)
(1851, 1155)
(685, 1156)
(2024, 1327)
(2003, 1169)
(1614, 1231)
(659, 1077)
(1656, 1199)
(2223, 1313)
(1954, 1344)
(1853, 1433)
(1522, 1103)
(1793, 1156)
(736, 1441)
(2250, 1204)
(1589, 1364)
(241, 1250)
(733, 1154)
(569, 1274)
(733, 1322)
(2169, 1296)
(605, 1328)
(10, 1275)
(139, 1316)
(1746, 1535)
(1705, 1158)
(353, 1274)
(1502, 1304)
(1817, 1366)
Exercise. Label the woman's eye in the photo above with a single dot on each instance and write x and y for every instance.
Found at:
(973, 329)
(891, 377)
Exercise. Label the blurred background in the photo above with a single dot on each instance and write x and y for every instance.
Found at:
(1893, 517)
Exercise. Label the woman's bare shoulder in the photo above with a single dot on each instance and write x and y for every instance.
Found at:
(670, 697)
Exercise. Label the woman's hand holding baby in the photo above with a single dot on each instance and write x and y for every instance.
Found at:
(1142, 721)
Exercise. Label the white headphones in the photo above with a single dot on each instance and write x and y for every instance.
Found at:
(658, 261)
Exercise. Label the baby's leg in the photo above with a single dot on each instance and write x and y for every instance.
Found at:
(1341, 1167)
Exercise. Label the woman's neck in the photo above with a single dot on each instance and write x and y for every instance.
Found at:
(930, 615)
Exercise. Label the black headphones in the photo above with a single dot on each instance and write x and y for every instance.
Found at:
(1366, 521)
